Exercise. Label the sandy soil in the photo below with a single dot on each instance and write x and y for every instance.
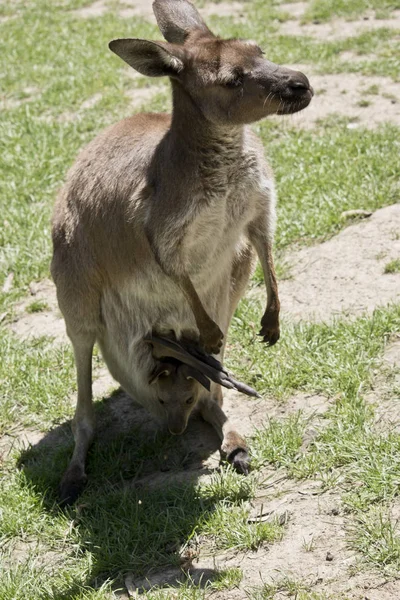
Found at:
(345, 274)
(336, 29)
(142, 8)
(347, 95)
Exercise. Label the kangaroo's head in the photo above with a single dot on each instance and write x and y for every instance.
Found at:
(178, 388)
(230, 81)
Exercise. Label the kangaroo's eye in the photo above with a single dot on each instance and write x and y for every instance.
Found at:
(161, 401)
(190, 400)
(233, 83)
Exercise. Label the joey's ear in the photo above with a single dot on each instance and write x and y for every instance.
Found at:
(177, 18)
(192, 373)
(161, 370)
(154, 59)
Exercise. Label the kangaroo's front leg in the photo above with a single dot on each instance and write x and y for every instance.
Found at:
(210, 334)
(169, 257)
(261, 240)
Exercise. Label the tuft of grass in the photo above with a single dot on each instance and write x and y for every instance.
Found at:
(37, 306)
(393, 266)
(372, 90)
(291, 588)
(377, 537)
(278, 442)
(231, 529)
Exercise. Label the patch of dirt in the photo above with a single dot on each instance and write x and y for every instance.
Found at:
(344, 275)
(47, 322)
(347, 95)
(336, 29)
(18, 439)
(126, 9)
(316, 526)
(20, 552)
(234, 10)
(295, 9)
(29, 94)
(140, 96)
(248, 415)
(143, 8)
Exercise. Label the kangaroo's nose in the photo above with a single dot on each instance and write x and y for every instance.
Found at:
(300, 84)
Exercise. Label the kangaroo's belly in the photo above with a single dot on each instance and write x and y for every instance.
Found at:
(147, 302)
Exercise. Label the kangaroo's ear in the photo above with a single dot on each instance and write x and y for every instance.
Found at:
(154, 59)
(177, 19)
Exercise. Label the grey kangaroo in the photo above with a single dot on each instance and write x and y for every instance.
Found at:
(158, 224)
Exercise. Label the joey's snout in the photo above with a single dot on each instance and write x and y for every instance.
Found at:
(177, 424)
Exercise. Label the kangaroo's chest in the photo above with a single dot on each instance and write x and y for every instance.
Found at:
(228, 203)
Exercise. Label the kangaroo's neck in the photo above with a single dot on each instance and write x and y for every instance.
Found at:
(192, 133)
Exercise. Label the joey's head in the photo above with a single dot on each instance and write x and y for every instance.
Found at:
(229, 81)
(178, 388)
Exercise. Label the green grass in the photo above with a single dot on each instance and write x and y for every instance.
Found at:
(51, 63)
(37, 306)
(325, 10)
(313, 357)
(292, 588)
(393, 266)
(37, 380)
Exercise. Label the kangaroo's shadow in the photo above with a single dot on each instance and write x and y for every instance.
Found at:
(141, 505)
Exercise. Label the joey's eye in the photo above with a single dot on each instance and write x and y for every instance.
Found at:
(190, 400)
(161, 401)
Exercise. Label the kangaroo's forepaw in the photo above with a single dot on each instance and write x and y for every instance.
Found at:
(211, 338)
(240, 461)
(71, 486)
(270, 331)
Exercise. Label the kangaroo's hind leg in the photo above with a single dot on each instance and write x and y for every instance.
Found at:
(233, 444)
(74, 478)
(79, 301)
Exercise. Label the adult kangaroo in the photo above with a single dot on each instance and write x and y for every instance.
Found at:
(157, 226)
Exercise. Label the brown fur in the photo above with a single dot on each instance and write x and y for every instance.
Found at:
(155, 227)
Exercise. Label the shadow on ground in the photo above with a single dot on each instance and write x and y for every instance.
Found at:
(141, 508)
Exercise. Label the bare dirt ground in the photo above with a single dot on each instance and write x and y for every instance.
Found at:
(142, 8)
(347, 273)
(347, 95)
(336, 29)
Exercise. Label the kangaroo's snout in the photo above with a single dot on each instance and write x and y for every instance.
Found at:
(299, 84)
(295, 92)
